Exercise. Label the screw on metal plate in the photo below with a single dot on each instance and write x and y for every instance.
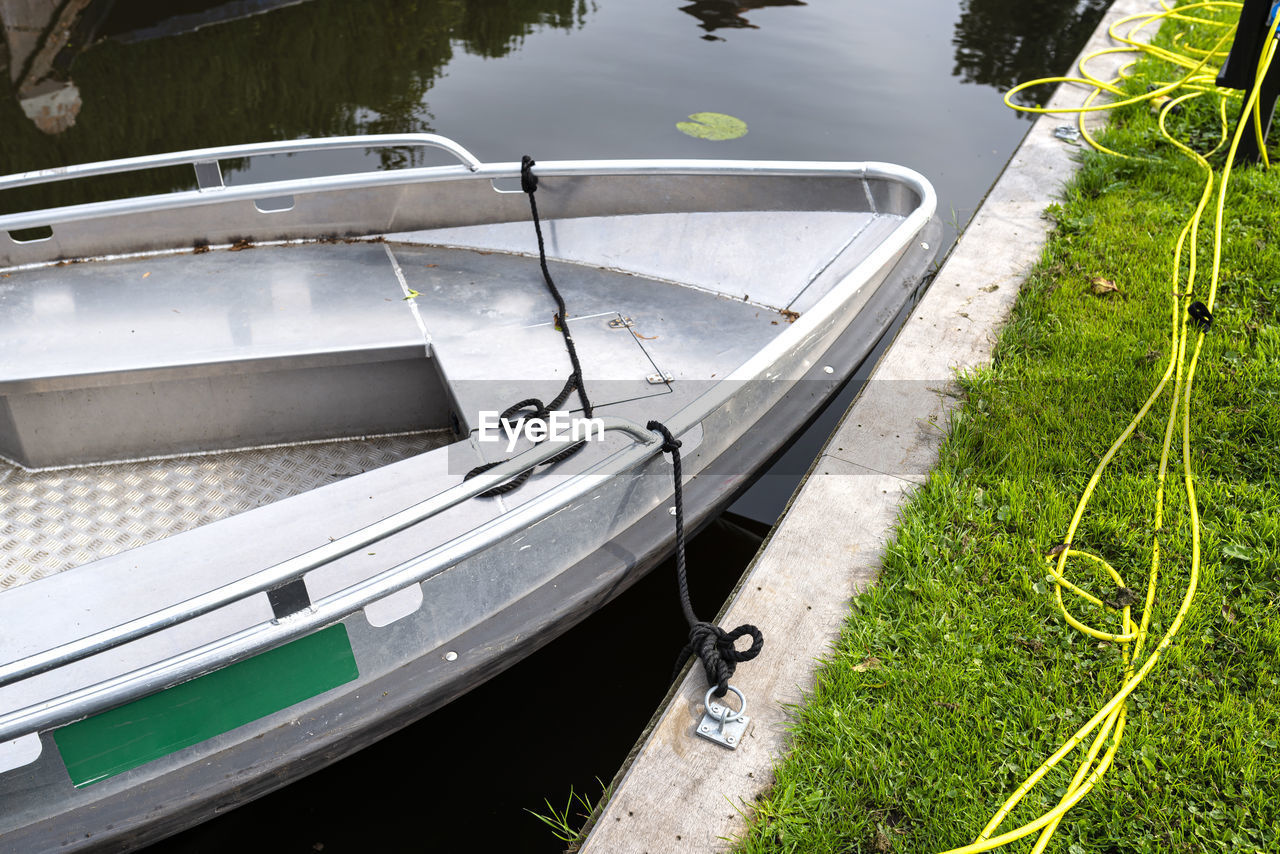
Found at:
(621, 323)
(659, 379)
(721, 724)
(1067, 133)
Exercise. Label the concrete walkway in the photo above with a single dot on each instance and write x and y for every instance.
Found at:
(682, 793)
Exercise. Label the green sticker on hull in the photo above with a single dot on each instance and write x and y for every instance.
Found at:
(133, 734)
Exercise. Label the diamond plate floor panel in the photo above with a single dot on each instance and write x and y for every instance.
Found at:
(54, 520)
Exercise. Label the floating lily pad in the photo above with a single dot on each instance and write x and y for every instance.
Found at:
(713, 126)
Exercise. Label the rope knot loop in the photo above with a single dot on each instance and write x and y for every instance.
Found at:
(670, 444)
(528, 181)
(718, 653)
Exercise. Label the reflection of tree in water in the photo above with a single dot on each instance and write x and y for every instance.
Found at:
(322, 68)
(494, 28)
(1001, 43)
(727, 14)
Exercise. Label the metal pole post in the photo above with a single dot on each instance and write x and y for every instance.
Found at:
(1241, 67)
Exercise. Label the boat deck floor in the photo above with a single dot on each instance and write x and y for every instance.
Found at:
(455, 331)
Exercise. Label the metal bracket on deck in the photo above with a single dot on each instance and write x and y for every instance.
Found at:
(721, 724)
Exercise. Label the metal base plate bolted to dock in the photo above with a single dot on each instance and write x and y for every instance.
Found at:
(721, 724)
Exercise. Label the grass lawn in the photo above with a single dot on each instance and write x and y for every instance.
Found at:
(956, 675)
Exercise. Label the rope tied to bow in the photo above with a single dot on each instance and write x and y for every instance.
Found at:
(528, 180)
(714, 647)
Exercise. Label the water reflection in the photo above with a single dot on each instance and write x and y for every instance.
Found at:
(135, 22)
(314, 69)
(321, 68)
(715, 15)
(1003, 42)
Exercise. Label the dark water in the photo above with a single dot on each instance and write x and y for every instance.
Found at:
(913, 81)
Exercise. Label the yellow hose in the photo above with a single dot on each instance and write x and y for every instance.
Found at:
(1109, 721)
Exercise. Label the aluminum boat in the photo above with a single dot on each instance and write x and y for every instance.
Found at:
(238, 540)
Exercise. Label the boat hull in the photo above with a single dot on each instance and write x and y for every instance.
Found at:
(581, 539)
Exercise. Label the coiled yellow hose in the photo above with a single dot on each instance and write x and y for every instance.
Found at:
(1109, 720)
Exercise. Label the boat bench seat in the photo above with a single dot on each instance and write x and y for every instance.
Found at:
(171, 354)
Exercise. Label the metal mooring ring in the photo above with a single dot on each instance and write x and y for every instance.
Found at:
(727, 714)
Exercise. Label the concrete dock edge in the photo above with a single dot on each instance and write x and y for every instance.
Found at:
(681, 793)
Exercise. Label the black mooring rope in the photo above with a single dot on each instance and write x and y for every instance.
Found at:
(713, 645)
(529, 183)
(533, 407)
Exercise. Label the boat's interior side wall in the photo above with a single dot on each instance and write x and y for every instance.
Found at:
(195, 220)
(142, 420)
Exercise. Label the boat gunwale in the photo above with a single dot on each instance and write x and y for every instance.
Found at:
(416, 175)
(201, 156)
